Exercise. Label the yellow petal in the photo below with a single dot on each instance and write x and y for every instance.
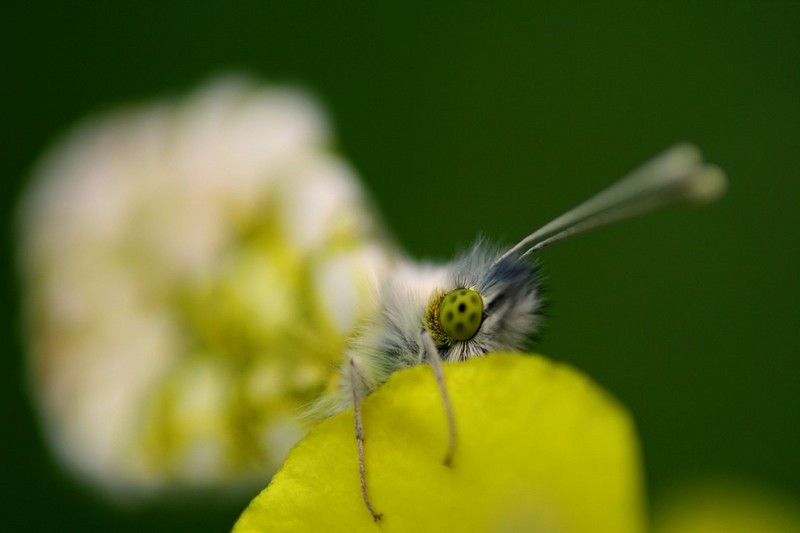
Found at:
(727, 506)
(540, 448)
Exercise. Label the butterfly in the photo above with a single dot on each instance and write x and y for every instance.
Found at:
(489, 299)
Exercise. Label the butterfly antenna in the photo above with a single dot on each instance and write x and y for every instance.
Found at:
(677, 176)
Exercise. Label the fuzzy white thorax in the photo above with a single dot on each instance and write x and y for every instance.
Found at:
(508, 282)
(390, 339)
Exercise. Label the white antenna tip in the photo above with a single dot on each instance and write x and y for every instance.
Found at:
(706, 185)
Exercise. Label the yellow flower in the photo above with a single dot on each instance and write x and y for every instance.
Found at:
(191, 270)
(540, 448)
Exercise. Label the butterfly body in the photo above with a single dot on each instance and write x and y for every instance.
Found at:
(390, 340)
(489, 300)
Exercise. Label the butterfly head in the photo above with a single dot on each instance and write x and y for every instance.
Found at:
(484, 305)
(454, 316)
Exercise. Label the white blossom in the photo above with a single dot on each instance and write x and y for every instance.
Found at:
(191, 270)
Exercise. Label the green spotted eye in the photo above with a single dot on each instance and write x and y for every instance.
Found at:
(461, 314)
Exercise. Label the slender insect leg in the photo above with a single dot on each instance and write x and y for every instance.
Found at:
(433, 357)
(362, 469)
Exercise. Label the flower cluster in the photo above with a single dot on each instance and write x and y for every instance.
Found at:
(191, 270)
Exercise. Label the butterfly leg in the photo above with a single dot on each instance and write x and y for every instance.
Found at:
(362, 470)
(432, 353)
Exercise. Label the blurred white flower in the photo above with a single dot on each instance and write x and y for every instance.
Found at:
(191, 270)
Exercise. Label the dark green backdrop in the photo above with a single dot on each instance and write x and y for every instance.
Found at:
(690, 317)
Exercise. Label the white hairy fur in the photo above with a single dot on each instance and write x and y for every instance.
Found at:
(508, 282)
(391, 340)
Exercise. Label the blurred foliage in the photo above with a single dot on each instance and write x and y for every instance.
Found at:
(690, 318)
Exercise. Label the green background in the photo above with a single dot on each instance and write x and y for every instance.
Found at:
(518, 111)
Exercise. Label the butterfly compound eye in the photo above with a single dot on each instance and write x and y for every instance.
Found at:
(461, 314)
